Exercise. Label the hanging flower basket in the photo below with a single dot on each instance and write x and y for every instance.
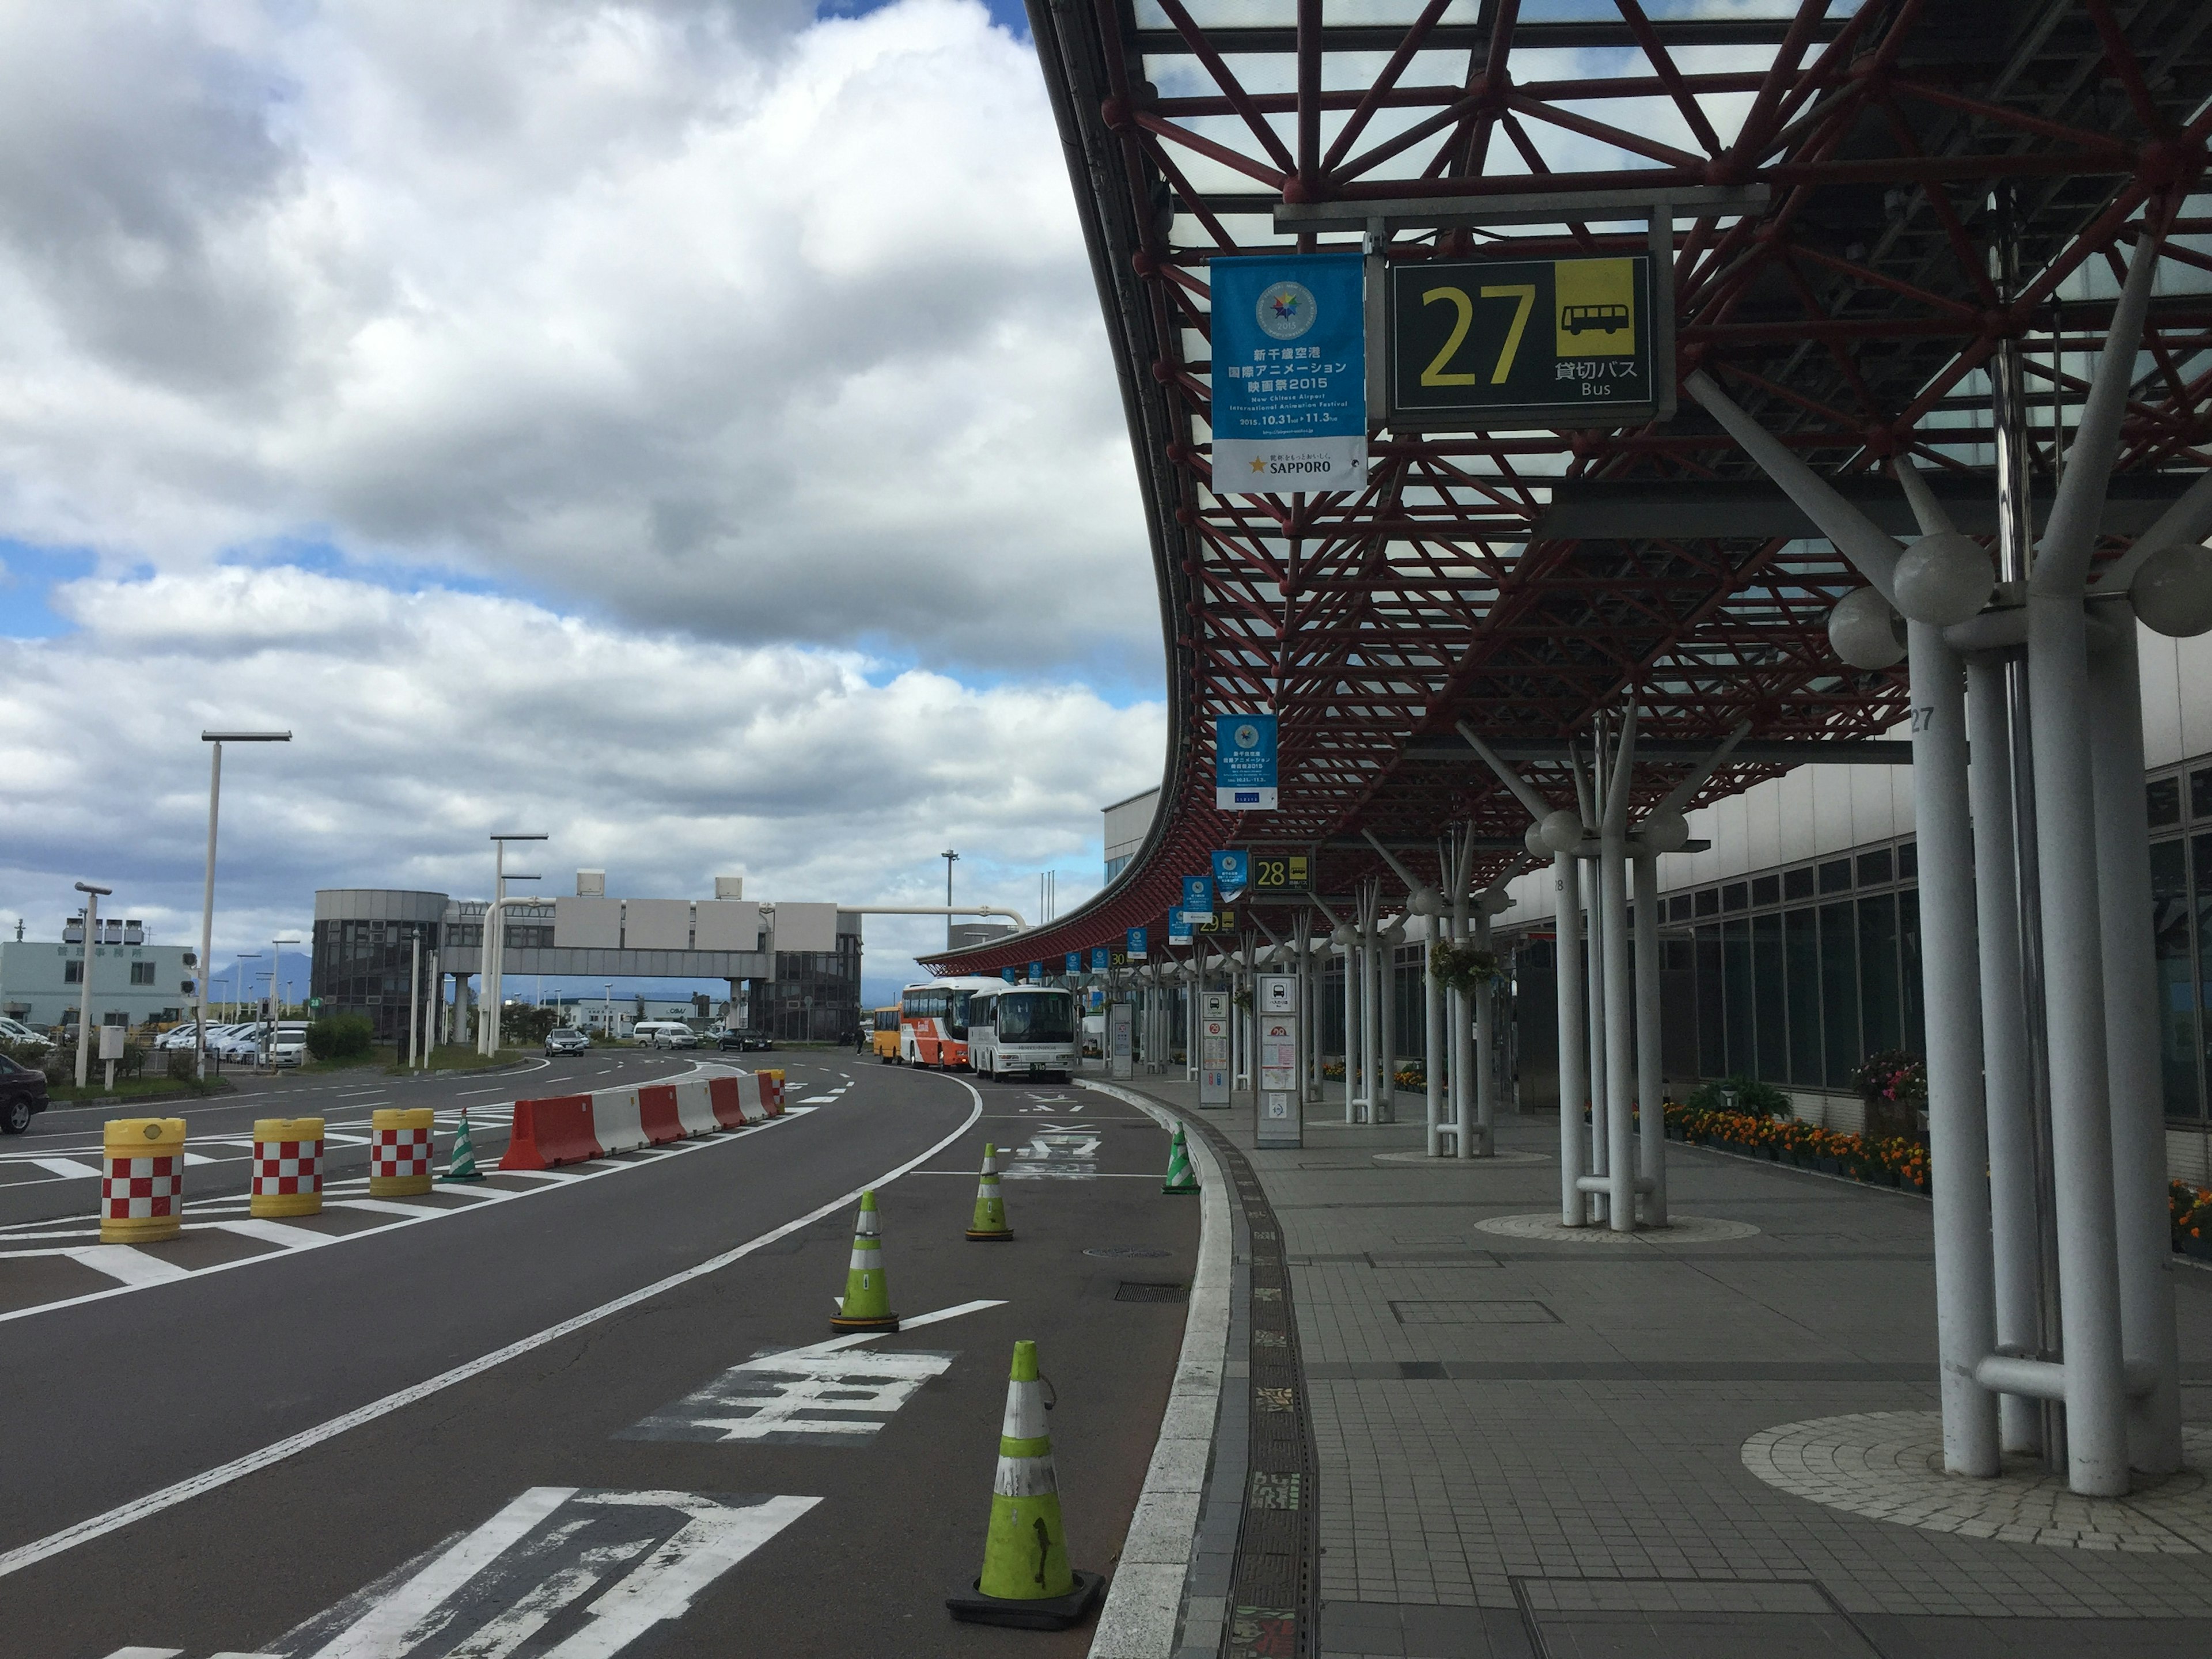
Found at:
(1463, 968)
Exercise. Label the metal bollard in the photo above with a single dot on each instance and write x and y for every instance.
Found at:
(142, 1188)
(400, 1152)
(288, 1167)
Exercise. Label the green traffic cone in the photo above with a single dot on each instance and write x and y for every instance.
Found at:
(1181, 1177)
(990, 1222)
(867, 1304)
(1026, 1580)
(464, 1166)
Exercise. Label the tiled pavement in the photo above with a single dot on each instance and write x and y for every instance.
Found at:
(1535, 1449)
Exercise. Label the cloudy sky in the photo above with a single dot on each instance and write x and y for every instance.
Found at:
(684, 429)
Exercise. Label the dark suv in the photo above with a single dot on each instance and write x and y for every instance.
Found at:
(746, 1043)
(22, 1095)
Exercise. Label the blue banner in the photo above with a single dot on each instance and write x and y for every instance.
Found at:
(1007, 974)
(1099, 961)
(1197, 899)
(1290, 372)
(1136, 946)
(1037, 973)
(1075, 961)
(1178, 928)
(1232, 873)
(1243, 763)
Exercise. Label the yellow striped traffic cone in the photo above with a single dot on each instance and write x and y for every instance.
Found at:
(1181, 1177)
(867, 1304)
(1026, 1580)
(990, 1222)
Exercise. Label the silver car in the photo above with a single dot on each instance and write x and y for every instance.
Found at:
(565, 1040)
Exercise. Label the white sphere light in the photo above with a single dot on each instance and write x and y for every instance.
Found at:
(2172, 591)
(1532, 839)
(1396, 933)
(1665, 831)
(1863, 631)
(1943, 579)
(1495, 904)
(1562, 830)
(1424, 902)
(1344, 933)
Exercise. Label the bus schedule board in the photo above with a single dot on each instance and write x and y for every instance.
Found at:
(1479, 343)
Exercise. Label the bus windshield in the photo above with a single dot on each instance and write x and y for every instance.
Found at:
(1037, 1017)
(955, 1012)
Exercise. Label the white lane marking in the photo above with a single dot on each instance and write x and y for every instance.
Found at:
(68, 1167)
(384, 1631)
(804, 1396)
(819, 1100)
(276, 1232)
(153, 1503)
(147, 1653)
(382, 1205)
(126, 1262)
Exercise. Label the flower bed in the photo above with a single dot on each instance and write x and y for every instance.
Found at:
(1888, 1163)
(2188, 1209)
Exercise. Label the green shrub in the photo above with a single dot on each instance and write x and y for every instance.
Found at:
(340, 1036)
(1753, 1098)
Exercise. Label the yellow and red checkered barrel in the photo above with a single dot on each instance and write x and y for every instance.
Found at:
(400, 1152)
(288, 1167)
(141, 1184)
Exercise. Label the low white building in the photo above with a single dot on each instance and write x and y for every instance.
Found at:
(42, 980)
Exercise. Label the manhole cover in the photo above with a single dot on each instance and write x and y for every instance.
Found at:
(1135, 1292)
(1123, 1252)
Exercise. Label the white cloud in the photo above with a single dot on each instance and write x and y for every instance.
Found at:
(762, 331)
(424, 722)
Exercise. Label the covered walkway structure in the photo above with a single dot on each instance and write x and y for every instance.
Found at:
(1931, 315)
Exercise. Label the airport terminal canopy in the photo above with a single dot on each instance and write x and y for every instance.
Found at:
(1841, 185)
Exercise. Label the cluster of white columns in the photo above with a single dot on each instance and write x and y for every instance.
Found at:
(2052, 1261)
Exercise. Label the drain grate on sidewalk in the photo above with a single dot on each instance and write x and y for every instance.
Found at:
(1275, 1585)
(1491, 1311)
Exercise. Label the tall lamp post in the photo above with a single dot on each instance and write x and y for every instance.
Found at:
(92, 896)
(240, 981)
(207, 899)
(276, 987)
(950, 858)
(494, 941)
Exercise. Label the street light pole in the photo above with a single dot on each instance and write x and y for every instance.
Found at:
(495, 945)
(950, 858)
(207, 897)
(92, 897)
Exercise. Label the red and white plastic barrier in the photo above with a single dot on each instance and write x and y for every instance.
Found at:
(572, 1128)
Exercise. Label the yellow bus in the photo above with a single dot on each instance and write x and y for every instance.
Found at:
(884, 1038)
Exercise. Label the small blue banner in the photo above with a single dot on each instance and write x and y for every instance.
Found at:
(1290, 372)
(1243, 763)
(1037, 973)
(1232, 873)
(1178, 928)
(1197, 898)
(1007, 974)
(1075, 961)
(1136, 946)
(1099, 961)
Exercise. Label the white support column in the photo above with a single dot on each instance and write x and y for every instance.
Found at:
(2007, 1080)
(1566, 883)
(1349, 947)
(1432, 1034)
(1386, 1028)
(2132, 1019)
(1958, 1127)
(1652, 1139)
(1620, 1061)
(1482, 1098)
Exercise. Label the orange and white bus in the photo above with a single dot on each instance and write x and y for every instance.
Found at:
(933, 1021)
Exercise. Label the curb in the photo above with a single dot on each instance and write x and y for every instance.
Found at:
(1145, 1604)
(161, 1099)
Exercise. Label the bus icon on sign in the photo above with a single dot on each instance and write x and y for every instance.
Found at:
(1605, 319)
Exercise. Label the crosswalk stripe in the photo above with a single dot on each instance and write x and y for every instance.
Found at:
(128, 1263)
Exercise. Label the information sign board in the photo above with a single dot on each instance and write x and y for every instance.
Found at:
(1120, 1040)
(1281, 872)
(1279, 1118)
(1278, 992)
(1479, 343)
(1290, 372)
(1244, 762)
(1213, 1057)
(1223, 921)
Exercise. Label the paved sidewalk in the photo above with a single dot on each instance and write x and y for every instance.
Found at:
(1535, 1449)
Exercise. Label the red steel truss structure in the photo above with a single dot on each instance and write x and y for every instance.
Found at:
(1526, 582)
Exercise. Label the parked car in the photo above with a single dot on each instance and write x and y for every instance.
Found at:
(289, 1046)
(566, 1040)
(240, 1047)
(13, 1030)
(665, 1034)
(745, 1042)
(22, 1095)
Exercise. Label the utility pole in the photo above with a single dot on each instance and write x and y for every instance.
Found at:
(950, 858)
(92, 897)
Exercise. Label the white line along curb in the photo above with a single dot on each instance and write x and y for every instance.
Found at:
(1139, 1620)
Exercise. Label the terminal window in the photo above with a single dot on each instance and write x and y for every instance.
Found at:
(142, 973)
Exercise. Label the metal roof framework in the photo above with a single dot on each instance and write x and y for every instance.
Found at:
(1852, 313)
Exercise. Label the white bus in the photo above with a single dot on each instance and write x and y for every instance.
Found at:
(1022, 1030)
